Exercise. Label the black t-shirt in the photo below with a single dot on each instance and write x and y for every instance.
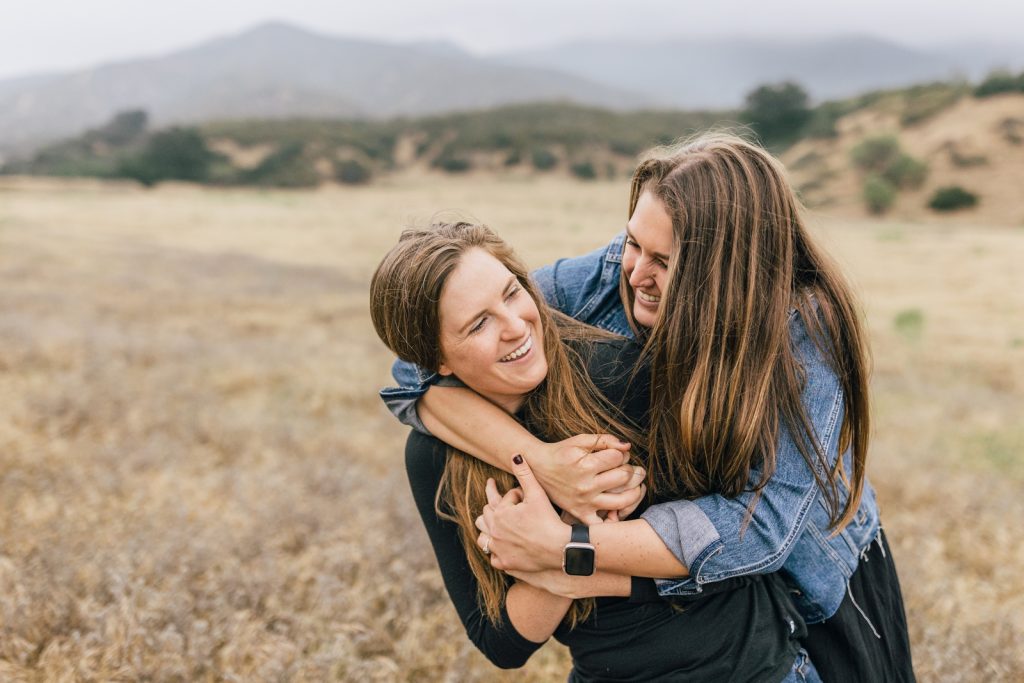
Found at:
(743, 629)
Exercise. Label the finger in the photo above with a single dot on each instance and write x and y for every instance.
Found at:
(591, 518)
(531, 487)
(620, 479)
(483, 541)
(493, 497)
(482, 525)
(513, 497)
(602, 461)
(612, 516)
(597, 442)
(618, 501)
(627, 511)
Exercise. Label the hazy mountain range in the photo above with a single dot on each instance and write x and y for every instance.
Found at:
(277, 70)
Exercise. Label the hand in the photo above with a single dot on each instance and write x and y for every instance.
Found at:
(521, 529)
(587, 473)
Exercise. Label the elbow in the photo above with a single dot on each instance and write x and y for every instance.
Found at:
(501, 658)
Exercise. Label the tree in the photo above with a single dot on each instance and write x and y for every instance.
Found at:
(125, 127)
(777, 112)
(172, 154)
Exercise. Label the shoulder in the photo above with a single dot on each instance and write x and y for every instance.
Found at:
(614, 366)
(568, 282)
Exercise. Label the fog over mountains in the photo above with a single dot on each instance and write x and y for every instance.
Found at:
(278, 70)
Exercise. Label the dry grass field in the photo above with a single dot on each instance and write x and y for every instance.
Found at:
(198, 482)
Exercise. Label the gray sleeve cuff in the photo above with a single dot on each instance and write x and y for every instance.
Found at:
(684, 529)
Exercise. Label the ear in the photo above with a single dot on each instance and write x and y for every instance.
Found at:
(445, 371)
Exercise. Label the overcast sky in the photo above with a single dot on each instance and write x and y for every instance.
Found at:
(47, 35)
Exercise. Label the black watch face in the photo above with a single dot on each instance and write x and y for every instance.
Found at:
(579, 561)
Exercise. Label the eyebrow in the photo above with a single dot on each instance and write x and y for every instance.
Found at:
(629, 234)
(476, 317)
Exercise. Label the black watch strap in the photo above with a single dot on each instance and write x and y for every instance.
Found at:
(580, 534)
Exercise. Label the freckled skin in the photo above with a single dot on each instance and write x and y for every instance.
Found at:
(485, 316)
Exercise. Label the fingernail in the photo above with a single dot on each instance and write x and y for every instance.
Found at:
(517, 459)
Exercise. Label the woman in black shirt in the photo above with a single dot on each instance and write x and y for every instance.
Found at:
(455, 299)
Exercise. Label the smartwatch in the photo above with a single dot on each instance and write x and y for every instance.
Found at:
(578, 554)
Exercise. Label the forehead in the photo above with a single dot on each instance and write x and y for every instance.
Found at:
(650, 224)
(477, 281)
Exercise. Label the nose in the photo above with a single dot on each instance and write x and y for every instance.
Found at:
(513, 326)
(641, 274)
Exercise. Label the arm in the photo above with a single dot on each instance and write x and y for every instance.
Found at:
(529, 537)
(580, 474)
(529, 615)
(710, 538)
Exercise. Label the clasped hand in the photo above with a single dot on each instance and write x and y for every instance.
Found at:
(524, 534)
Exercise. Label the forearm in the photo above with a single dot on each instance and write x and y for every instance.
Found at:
(465, 420)
(533, 612)
(633, 548)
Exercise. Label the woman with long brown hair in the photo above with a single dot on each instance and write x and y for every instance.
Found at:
(455, 299)
(759, 406)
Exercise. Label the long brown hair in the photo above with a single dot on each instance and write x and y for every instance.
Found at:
(405, 293)
(724, 375)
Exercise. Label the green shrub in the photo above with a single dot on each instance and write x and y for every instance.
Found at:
(1000, 82)
(514, 158)
(906, 172)
(909, 323)
(287, 166)
(543, 159)
(172, 154)
(876, 153)
(925, 101)
(351, 172)
(584, 170)
(822, 121)
(1012, 130)
(777, 112)
(126, 127)
(879, 193)
(952, 198)
(452, 163)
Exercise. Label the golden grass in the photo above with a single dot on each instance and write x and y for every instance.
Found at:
(199, 482)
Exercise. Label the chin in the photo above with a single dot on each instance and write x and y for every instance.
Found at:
(644, 316)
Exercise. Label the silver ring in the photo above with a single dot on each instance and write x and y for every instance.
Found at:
(487, 546)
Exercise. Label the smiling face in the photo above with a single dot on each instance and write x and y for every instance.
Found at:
(645, 257)
(491, 333)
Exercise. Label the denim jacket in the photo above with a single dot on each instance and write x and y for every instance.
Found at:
(788, 530)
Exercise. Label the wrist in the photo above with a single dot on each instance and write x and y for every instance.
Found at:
(554, 548)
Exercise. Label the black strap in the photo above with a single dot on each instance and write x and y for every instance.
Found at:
(580, 533)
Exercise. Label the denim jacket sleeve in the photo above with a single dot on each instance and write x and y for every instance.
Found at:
(707, 534)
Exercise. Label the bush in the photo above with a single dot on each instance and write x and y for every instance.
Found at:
(584, 170)
(909, 323)
(1000, 82)
(925, 101)
(875, 154)
(879, 193)
(543, 159)
(173, 154)
(351, 172)
(285, 167)
(777, 112)
(451, 163)
(952, 198)
(126, 127)
(906, 172)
